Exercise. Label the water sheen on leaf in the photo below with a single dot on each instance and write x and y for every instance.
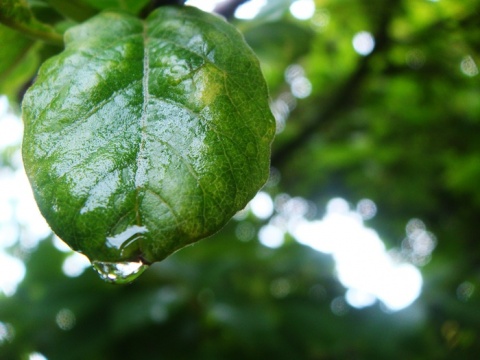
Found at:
(144, 136)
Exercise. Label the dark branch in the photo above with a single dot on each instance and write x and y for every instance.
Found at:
(227, 8)
(157, 3)
(343, 99)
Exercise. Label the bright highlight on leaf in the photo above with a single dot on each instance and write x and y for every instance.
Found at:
(145, 136)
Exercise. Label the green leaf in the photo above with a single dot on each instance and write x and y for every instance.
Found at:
(145, 136)
(18, 15)
(18, 62)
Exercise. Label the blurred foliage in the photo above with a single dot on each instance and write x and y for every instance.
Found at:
(19, 64)
(400, 126)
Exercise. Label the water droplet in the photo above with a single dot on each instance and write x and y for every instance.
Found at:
(121, 272)
(127, 237)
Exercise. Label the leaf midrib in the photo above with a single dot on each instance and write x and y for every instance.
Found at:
(146, 96)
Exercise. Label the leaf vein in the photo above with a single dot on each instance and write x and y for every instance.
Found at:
(170, 208)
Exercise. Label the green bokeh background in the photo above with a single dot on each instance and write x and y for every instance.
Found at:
(400, 126)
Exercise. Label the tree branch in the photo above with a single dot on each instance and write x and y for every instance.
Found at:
(342, 100)
(339, 102)
(34, 30)
(157, 3)
(227, 8)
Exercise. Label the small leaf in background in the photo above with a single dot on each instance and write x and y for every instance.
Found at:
(145, 136)
(18, 62)
(18, 15)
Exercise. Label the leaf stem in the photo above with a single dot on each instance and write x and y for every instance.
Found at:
(42, 32)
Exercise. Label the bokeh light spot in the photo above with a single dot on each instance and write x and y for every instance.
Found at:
(359, 299)
(245, 231)
(338, 205)
(274, 178)
(242, 214)
(414, 225)
(262, 205)
(300, 86)
(415, 59)
(12, 130)
(249, 9)
(362, 262)
(271, 236)
(303, 9)
(402, 288)
(280, 111)
(367, 209)
(36, 356)
(294, 72)
(468, 66)
(65, 319)
(419, 243)
(281, 108)
(7, 333)
(338, 306)
(321, 19)
(12, 272)
(158, 313)
(363, 43)
(9, 231)
(75, 264)
(465, 291)
(205, 5)
(60, 245)
(280, 288)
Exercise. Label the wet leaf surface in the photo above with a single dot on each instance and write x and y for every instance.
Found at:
(145, 136)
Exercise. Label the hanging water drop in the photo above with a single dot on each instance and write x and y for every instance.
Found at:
(121, 272)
